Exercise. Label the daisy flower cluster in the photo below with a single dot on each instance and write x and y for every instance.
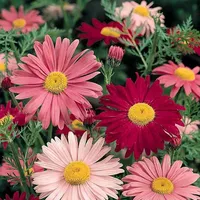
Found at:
(81, 124)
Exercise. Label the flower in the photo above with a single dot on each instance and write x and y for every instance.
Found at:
(22, 196)
(55, 11)
(6, 83)
(76, 126)
(75, 171)
(179, 76)
(151, 180)
(26, 22)
(135, 116)
(14, 177)
(116, 53)
(9, 114)
(110, 32)
(141, 16)
(11, 66)
(189, 126)
(197, 50)
(57, 81)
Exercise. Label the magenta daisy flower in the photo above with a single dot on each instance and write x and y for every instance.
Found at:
(18, 196)
(76, 171)
(135, 116)
(154, 181)
(179, 76)
(26, 22)
(56, 81)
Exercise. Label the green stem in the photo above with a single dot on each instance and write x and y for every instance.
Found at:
(141, 56)
(15, 51)
(41, 141)
(152, 55)
(14, 100)
(19, 168)
(5, 93)
(50, 132)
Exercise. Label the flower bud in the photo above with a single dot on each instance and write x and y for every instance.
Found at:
(115, 56)
(6, 83)
(175, 142)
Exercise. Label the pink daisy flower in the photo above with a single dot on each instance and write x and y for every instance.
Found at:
(14, 177)
(26, 22)
(190, 127)
(57, 82)
(76, 170)
(179, 76)
(11, 66)
(141, 15)
(154, 181)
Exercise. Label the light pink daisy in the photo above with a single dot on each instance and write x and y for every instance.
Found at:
(11, 66)
(179, 76)
(26, 22)
(57, 81)
(190, 127)
(154, 181)
(141, 15)
(76, 171)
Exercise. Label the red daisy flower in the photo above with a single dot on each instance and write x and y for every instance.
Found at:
(138, 117)
(12, 114)
(110, 32)
(22, 196)
(76, 126)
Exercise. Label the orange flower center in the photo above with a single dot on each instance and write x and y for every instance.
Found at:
(141, 114)
(162, 185)
(19, 23)
(77, 173)
(77, 125)
(55, 82)
(110, 32)
(141, 10)
(2, 67)
(6, 119)
(185, 74)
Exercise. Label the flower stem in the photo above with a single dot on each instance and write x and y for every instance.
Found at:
(15, 51)
(41, 141)
(19, 168)
(50, 132)
(14, 100)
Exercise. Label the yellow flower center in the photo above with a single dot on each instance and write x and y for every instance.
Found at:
(55, 82)
(77, 125)
(141, 114)
(2, 67)
(28, 172)
(77, 173)
(141, 10)
(162, 185)
(110, 32)
(185, 74)
(19, 23)
(7, 118)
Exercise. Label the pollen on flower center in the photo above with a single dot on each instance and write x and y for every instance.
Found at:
(2, 67)
(141, 114)
(77, 173)
(162, 185)
(55, 82)
(185, 74)
(110, 32)
(141, 10)
(77, 125)
(19, 23)
(28, 172)
(6, 118)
